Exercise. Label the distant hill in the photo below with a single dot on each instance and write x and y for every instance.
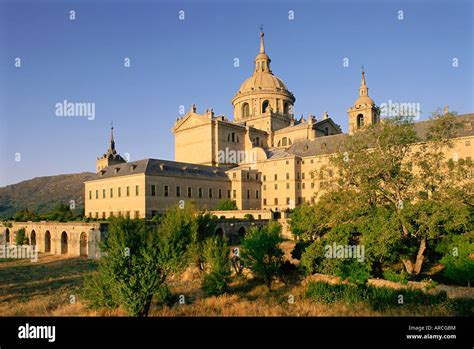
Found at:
(42, 194)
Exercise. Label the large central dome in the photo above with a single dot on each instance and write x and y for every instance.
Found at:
(262, 80)
(263, 92)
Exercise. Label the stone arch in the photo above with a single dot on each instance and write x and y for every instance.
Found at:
(64, 243)
(219, 232)
(33, 238)
(47, 241)
(7, 236)
(241, 232)
(360, 121)
(265, 105)
(245, 110)
(83, 245)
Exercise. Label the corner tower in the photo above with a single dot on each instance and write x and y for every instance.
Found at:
(363, 112)
(111, 157)
(263, 100)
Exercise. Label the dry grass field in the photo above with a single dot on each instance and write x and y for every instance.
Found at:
(52, 287)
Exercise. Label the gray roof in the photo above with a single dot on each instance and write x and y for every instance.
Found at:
(156, 167)
(332, 144)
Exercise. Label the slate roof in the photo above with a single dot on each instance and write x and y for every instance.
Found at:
(156, 167)
(331, 144)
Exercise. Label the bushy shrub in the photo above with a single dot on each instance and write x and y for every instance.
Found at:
(376, 297)
(20, 238)
(261, 252)
(391, 275)
(458, 259)
(216, 257)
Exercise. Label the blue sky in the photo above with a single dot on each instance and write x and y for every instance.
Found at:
(176, 62)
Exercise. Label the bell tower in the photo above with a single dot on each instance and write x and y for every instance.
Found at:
(364, 112)
(111, 157)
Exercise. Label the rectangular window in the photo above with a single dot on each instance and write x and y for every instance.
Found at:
(256, 194)
(276, 201)
(234, 194)
(111, 192)
(128, 191)
(137, 190)
(153, 190)
(287, 201)
(302, 175)
(302, 185)
(287, 176)
(190, 192)
(103, 193)
(248, 175)
(96, 215)
(210, 193)
(287, 185)
(228, 193)
(312, 185)
(276, 177)
(264, 178)
(276, 186)
(103, 215)
(166, 190)
(256, 176)
(298, 185)
(178, 191)
(200, 192)
(96, 194)
(119, 192)
(298, 175)
(220, 193)
(248, 194)
(90, 194)
(264, 202)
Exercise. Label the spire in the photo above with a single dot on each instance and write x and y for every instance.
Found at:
(262, 43)
(112, 141)
(363, 90)
(262, 61)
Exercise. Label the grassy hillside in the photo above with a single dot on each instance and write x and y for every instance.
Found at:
(42, 194)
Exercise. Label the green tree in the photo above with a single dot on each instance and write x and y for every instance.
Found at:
(20, 238)
(261, 252)
(217, 275)
(226, 205)
(138, 260)
(459, 259)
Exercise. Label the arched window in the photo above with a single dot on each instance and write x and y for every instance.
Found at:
(265, 105)
(286, 108)
(245, 110)
(360, 121)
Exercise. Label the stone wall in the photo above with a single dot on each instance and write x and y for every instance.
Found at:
(70, 238)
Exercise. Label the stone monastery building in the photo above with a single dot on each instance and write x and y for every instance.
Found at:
(262, 159)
